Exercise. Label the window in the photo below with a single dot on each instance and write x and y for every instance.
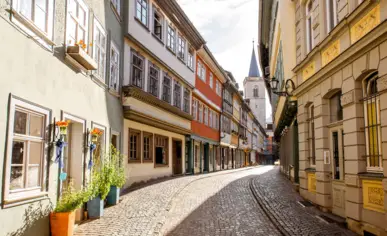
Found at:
(212, 81)
(210, 119)
(331, 6)
(200, 112)
(100, 144)
(142, 11)
(77, 22)
(197, 153)
(205, 115)
(134, 145)
(336, 110)
(161, 150)
(99, 46)
(115, 139)
(181, 48)
(153, 79)
(114, 67)
(190, 61)
(147, 147)
(372, 123)
(195, 109)
(171, 38)
(309, 37)
(177, 95)
(311, 138)
(201, 71)
(186, 100)
(226, 124)
(117, 5)
(158, 20)
(217, 121)
(26, 158)
(137, 75)
(39, 13)
(218, 88)
(255, 91)
(167, 89)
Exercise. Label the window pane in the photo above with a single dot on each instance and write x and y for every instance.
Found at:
(82, 17)
(20, 123)
(18, 152)
(26, 8)
(40, 18)
(36, 125)
(16, 177)
(72, 7)
(33, 179)
(35, 153)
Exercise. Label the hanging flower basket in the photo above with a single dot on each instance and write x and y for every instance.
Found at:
(63, 126)
(95, 134)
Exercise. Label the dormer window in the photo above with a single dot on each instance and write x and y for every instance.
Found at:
(157, 23)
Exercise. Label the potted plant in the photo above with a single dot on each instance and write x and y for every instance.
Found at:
(99, 189)
(118, 176)
(62, 219)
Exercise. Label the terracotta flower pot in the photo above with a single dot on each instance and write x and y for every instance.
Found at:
(62, 224)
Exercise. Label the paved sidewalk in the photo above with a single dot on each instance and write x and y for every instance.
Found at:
(279, 199)
(142, 212)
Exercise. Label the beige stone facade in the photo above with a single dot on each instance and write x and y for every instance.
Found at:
(342, 101)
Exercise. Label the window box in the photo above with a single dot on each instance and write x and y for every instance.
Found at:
(80, 56)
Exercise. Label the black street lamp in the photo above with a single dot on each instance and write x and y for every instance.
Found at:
(289, 87)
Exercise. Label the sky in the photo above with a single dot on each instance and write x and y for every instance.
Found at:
(229, 28)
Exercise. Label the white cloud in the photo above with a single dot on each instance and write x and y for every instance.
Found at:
(228, 26)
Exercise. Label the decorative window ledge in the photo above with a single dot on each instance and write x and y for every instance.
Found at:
(142, 24)
(114, 92)
(310, 169)
(371, 175)
(28, 198)
(134, 161)
(82, 58)
(158, 39)
(99, 81)
(161, 166)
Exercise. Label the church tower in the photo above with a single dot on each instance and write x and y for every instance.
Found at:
(255, 91)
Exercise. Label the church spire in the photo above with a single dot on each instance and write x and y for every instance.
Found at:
(253, 72)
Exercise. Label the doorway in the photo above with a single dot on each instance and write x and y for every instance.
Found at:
(177, 157)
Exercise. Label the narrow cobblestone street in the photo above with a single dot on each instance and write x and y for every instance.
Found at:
(250, 201)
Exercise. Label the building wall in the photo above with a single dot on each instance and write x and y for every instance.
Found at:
(205, 130)
(42, 77)
(144, 36)
(137, 172)
(339, 62)
(204, 86)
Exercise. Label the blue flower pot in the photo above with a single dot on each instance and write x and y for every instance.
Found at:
(113, 196)
(95, 208)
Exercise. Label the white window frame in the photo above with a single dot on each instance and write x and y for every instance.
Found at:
(181, 47)
(309, 27)
(11, 196)
(205, 115)
(98, 27)
(113, 47)
(44, 36)
(136, 2)
(218, 88)
(117, 6)
(212, 81)
(190, 58)
(195, 109)
(102, 137)
(85, 27)
(328, 7)
(161, 22)
(200, 112)
(171, 41)
(116, 133)
(339, 130)
(210, 119)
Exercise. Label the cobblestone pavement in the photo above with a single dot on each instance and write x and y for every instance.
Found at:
(280, 201)
(221, 203)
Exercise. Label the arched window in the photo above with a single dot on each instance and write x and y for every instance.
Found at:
(255, 91)
(335, 108)
(372, 123)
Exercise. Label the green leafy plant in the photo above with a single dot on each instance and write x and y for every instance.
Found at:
(117, 167)
(101, 179)
(71, 200)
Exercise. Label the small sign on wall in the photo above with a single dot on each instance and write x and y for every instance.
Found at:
(327, 158)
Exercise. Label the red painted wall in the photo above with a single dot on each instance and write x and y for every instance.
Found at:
(204, 87)
(203, 130)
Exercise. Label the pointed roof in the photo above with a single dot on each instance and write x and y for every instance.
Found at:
(253, 72)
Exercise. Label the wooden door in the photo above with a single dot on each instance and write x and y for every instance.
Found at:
(177, 157)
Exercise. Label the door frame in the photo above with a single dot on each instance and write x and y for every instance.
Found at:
(174, 157)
